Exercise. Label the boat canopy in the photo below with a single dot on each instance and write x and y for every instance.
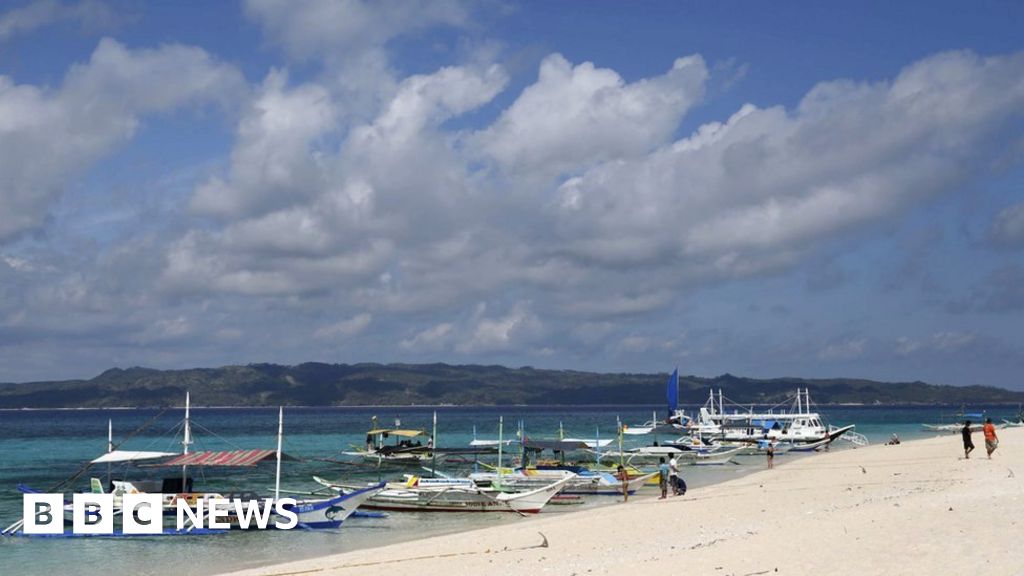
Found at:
(397, 432)
(225, 458)
(130, 456)
(555, 445)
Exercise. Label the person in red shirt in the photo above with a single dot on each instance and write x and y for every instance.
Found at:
(991, 440)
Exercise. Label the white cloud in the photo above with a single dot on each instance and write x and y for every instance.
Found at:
(309, 28)
(273, 164)
(89, 14)
(434, 339)
(515, 330)
(1007, 229)
(846, 350)
(344, 329)
(759, 191)
(945, 342)
(576, 116)
(47, 136)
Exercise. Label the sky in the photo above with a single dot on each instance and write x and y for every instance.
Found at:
(815, 189)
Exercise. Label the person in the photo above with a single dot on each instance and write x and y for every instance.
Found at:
(673, 475)
(771, 453)
(968, 443)
(623, 477)
(893, 440)
(663, 472)
(991, 440)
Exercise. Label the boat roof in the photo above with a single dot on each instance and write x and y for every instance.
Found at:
(398, 432)
(224, 458)
(130, 456)
(555, 445)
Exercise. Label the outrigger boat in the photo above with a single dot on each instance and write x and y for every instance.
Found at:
(977, 422)
(407, 447)
(446, 495)
(1017, 423)
(310, 513)
(803, 428)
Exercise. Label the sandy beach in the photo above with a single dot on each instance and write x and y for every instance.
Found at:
(915, 508)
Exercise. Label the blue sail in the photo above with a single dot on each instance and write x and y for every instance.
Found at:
(672, 394)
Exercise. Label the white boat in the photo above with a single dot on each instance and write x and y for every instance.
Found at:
(455, 497)
(798, 426)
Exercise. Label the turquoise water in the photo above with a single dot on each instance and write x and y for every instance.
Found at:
(42, 448)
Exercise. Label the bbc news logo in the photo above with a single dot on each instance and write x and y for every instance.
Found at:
(144, 513)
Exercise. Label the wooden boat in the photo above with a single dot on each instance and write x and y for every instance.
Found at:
(455, 497)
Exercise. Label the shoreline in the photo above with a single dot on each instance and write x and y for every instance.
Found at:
(918, 508)
(610, 407)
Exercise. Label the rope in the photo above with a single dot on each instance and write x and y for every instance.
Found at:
(88, 465)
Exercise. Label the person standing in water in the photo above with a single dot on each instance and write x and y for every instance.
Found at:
(674, 476)
(968, 443)
(663, 472)
(623, 477)
(991, 440)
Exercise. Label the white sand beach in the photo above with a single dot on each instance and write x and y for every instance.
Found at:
(915, 508)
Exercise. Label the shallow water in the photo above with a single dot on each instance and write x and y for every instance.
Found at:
(42, 448)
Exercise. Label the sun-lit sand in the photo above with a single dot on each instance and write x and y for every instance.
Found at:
(916, 508)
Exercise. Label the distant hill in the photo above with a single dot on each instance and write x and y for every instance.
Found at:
(315, 384)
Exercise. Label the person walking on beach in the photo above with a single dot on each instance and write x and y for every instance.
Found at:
(968, 443)
(771, 453)
(991, 440)
(623, 477)
(663, 472)
(673, 475)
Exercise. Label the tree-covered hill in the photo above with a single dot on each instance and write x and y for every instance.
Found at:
(316, 384)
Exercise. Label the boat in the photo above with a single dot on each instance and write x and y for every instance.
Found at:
(454, 497)
(407, 449)
(1019, 422)
(960, 419)
(798, 426)
(310, 513)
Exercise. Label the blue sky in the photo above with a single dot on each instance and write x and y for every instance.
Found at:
(802, 189)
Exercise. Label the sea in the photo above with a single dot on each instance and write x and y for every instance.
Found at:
(42, 448)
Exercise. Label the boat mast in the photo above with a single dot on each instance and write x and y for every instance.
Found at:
(280, 436)
(185, 442)
(433, 452)
(110, 445)
(501, 428)
(622, 457)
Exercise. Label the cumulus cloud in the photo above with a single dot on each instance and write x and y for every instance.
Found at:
(273, 164)
(755, 192)
(313, 27)
(576, 116)
(89, 14)
(1007, 229)
(434, 339)
(344, 329)
(47, 136)
(301, 214)
(515, 330)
